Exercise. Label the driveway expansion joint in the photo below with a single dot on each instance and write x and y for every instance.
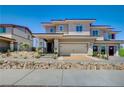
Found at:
(23, 77)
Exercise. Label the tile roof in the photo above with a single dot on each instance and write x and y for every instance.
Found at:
(13, 25)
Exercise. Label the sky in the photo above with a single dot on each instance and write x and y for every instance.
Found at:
(32, 16)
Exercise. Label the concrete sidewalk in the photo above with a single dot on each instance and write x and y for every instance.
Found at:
(54, 77)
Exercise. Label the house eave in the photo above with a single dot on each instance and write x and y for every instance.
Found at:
(61, 36)
(7, 39)
(110, 42)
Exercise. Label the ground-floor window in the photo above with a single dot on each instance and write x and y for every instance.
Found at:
(102, 49)
(95, 48)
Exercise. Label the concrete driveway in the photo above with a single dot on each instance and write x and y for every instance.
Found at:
(83, 57)
(52, 77)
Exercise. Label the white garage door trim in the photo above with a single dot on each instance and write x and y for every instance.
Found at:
(68, 48)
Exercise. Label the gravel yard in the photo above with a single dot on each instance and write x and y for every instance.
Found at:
(27, 60)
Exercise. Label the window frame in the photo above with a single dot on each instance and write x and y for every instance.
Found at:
(79, 28)
(61, 28)
(94, 33)
(95, 50)
(103, 49)
(3, 30)
(52, 28)
(112, 36)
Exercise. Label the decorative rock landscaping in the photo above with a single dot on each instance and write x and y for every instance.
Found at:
(27, 60)
(60, 65)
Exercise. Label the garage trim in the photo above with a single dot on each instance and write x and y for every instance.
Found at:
(74, 48)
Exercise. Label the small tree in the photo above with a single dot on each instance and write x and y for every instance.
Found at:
(24, 46)
(121, 52)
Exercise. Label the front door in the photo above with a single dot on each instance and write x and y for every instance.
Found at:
(111, 50)
(50, 47)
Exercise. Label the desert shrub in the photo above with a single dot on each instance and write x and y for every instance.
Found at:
(38, 53)
(25, 57)
(121, 52)
(8, 53)
(1, 62)
(102, 55)
(95, 53)
(33, 49)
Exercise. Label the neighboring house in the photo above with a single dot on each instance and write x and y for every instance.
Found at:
(16, 35)
(79, 36)
(39, 43)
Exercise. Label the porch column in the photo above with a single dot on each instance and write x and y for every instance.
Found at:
(107, 51)
(12, 46)
(99, 48)
(117, 50)
(56, 45)
(90, 49)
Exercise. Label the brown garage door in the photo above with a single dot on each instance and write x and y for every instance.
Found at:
(68, 48)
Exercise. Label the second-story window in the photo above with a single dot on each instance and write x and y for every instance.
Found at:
(95, 33)
(60, 27)
(2, 30)
(106, 36)
(112, 36)
(79, 28)
(52, 29)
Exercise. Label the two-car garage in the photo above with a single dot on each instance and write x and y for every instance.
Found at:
(72, 48)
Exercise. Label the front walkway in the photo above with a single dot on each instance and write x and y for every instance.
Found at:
(116, 58)
(56, 77)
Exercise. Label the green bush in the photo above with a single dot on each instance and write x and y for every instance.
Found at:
(38, 53)
(95, 54)
(24, 46)
(121, 52)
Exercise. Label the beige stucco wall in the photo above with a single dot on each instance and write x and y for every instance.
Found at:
(65, 28)
(100, 38)
(6, 35)
(70, 28)
(101, 33)
(75, 40)
(22, 40)
(22, 32)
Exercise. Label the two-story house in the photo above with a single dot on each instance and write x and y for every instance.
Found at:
(12, 36)
(79, 36)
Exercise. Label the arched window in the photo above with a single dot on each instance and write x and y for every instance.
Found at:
(60, 27)
(51, 29)
(79, 28)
